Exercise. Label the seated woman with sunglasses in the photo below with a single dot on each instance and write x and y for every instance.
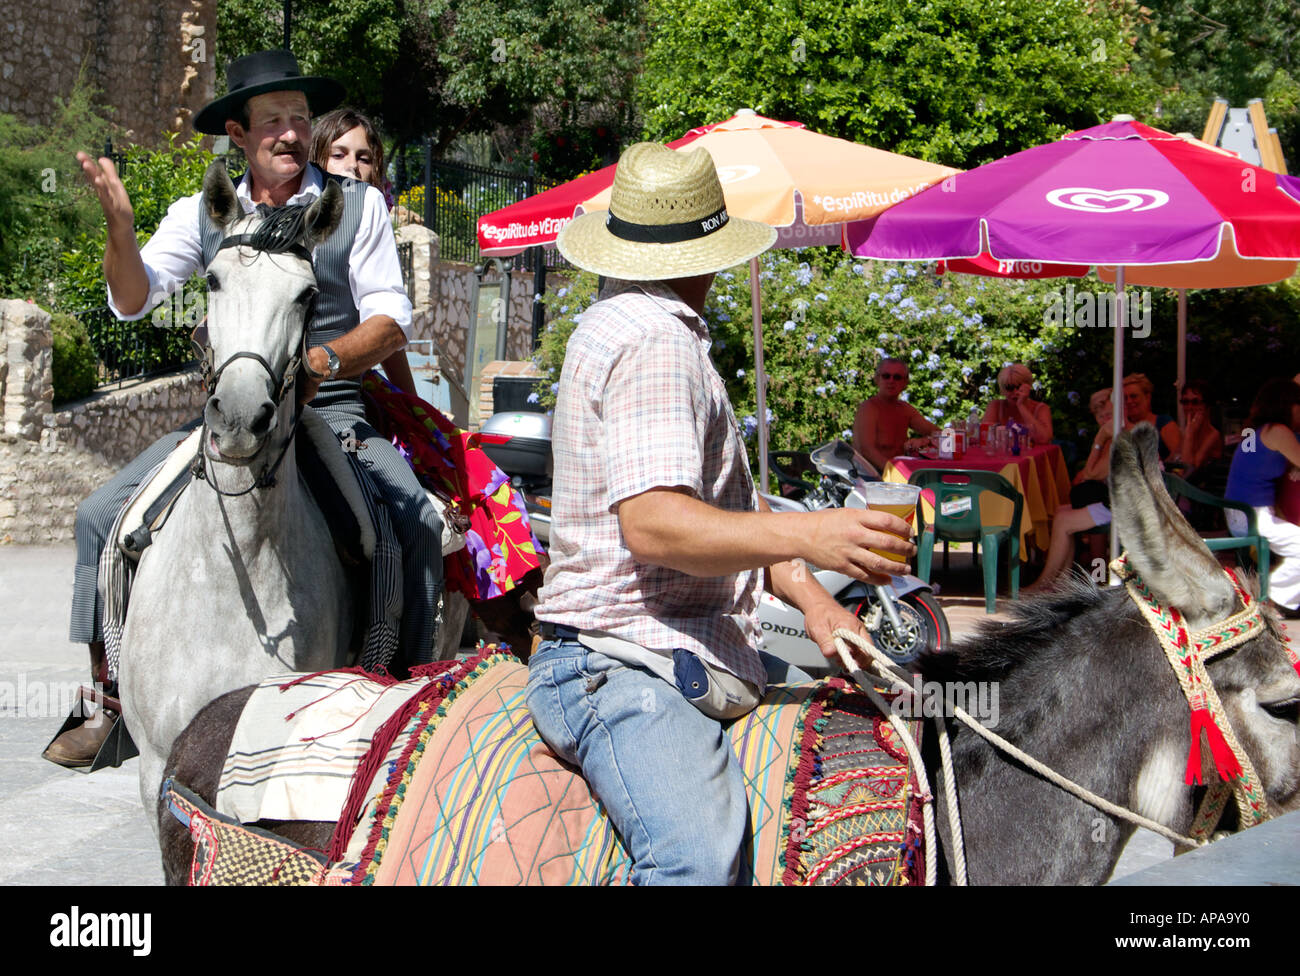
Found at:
(883, 422)
(1016, 383)
(1200, 442)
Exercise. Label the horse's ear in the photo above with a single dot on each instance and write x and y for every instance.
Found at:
(1160, 544)
(219, 196)
(324, 215)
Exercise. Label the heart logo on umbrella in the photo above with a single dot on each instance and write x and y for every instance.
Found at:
(1092, 200)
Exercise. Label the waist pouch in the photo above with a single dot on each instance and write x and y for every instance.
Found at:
(715, 691)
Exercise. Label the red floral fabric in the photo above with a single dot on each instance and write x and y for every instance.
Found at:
(500, 547)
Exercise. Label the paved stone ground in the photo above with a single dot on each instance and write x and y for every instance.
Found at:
(62, 827)
(57, 826)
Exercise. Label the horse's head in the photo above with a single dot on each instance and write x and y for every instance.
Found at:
(1256, 681)
(260, 287)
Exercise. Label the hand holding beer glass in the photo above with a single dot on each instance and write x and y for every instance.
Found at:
(898, 500)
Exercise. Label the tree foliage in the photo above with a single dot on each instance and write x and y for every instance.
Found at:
(543, 76)
(959, 82)
(43, 206)
(1233, 49)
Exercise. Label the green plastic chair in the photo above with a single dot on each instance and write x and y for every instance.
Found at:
(1178, 487)
(958, 490)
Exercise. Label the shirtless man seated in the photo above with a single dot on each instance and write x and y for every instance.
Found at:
(883, 422)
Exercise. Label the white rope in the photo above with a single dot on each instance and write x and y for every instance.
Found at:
(950, 794)
(887, 671)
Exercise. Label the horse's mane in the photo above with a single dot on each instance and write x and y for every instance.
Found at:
(1036, 624)
(281, 228)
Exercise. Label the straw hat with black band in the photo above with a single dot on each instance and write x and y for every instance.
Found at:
(667, 219)
(258, 74)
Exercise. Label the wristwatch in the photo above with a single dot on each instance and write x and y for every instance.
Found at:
(335, 364)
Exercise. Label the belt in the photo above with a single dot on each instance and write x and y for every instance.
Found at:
(553, 631)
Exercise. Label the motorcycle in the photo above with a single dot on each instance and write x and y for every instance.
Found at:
(904, 617)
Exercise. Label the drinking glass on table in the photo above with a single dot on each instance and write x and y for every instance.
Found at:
(896, 499)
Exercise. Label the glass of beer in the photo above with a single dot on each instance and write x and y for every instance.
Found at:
(896, 499)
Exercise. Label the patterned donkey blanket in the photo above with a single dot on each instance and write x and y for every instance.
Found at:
(458, 788)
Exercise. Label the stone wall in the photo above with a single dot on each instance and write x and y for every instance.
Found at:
(51, 459)
(26, 383)
(116, 425)
(448, 317)
(153, 62)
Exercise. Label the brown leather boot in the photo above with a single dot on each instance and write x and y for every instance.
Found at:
(79, 746)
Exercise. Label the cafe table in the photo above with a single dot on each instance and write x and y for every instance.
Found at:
(1039, 474)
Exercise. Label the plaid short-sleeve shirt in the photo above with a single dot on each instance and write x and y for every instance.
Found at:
(641, 406)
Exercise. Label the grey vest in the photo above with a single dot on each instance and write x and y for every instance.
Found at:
(334, 313)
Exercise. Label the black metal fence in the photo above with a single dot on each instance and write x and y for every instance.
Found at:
(134, 350)
(462, 193)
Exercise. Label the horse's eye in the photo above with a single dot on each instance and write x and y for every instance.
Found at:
(213, 284)
(1288, 710)
(307, 295)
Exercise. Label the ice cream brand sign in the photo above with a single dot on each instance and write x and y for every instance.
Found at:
(1091, 200)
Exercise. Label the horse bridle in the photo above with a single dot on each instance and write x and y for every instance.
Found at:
(282, 384)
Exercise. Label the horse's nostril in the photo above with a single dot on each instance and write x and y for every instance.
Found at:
(262, 422)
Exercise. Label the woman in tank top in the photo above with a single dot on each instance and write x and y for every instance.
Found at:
(1268, 448)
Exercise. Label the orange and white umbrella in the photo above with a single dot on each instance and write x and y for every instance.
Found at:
(805, 184)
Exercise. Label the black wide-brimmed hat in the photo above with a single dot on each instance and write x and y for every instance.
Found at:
(257, 74)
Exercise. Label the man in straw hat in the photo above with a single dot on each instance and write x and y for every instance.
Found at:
(658, 536)
(360, 317)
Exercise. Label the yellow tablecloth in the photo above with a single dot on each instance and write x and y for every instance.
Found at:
(1039, 475)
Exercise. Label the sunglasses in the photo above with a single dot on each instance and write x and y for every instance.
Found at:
(893, 376)
(1191, 403)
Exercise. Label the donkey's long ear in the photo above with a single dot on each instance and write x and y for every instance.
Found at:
(219, 195)
(1161, 545)
(323, 216)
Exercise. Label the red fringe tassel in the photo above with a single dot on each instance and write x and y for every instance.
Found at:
(1224, 761)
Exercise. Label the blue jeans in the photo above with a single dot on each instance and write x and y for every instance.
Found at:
(665, 772)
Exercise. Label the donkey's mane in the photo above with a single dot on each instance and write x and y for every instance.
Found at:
(1036, 625)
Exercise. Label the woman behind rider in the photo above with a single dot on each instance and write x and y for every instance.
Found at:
(344, 142)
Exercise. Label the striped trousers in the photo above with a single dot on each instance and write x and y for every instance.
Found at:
(416, 524)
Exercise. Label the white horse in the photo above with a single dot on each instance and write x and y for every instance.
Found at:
(244, 581)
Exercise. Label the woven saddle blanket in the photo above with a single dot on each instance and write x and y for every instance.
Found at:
(454, 786)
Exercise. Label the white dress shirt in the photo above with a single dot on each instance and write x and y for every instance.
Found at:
(175, 252)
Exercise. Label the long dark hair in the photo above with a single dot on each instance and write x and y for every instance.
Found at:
(332, 126)
(1273, 403)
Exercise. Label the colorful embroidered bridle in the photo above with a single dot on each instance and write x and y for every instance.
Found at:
(1188, 652)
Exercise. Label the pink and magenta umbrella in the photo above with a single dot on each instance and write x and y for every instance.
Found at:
(1120, 194)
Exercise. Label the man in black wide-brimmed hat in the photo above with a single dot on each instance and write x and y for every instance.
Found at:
(359, 318)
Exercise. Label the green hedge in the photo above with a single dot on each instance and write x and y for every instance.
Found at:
(154, 180)
(75, 365)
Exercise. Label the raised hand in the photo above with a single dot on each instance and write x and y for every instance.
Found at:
(113, 200)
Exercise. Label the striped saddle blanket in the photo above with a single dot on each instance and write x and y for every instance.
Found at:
(442, 780)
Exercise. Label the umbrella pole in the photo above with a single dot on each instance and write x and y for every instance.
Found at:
(1119, 321)
(760, 377)
(1182, 353)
